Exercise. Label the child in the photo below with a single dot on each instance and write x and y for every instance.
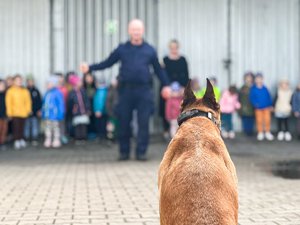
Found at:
(261, 100)
(100, 111)
(217, 91)
(89, 84)
(283, 110)
(3, 120)
(53, 112)
(67, 79)
(68, 121)
(229, 104)
(18, 107)
(32, 122)
(61, 85)
(195, 86)
(296, 107)
(247, 111)
(111, 103)
(173, 107)
(79, 107)
(63, 89)
(9, 81)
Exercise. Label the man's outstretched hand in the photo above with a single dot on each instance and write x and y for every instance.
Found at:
(84, 67)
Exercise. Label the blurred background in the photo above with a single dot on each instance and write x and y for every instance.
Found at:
(223, 38)
(84, 183)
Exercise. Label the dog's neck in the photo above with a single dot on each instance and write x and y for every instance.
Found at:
(197, 113)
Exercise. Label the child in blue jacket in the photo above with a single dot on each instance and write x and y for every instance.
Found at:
(261, 100)
(296, 107)
(53, 110)
(100, 109)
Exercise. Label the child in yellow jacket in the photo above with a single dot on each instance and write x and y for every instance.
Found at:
(18, 108)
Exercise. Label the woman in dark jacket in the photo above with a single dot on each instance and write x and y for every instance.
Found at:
(176, 68)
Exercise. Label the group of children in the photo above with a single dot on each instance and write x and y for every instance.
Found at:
(71, 106)
(84, 109)
(252, 101)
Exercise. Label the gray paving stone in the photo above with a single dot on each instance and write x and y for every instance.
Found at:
(86, 185)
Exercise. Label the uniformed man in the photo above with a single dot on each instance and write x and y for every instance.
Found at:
(135, 89)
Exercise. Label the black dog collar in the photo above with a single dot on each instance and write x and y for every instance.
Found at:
(195, 113)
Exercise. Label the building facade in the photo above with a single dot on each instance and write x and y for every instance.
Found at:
(223, 38)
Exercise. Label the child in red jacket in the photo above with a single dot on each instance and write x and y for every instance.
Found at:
(173, 107)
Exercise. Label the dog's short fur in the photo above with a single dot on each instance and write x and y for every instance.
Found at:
(197, 179)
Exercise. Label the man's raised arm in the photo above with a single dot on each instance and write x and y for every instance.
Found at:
(111, 60)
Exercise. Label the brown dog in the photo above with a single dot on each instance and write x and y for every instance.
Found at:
(197, 179)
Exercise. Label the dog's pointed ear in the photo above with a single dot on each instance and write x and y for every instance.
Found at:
(188, 96)
(209, 98)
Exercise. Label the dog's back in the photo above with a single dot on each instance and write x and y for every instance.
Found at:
(198, 182)
(197, 179)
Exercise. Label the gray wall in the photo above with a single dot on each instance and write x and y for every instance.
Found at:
(200, 26)
(264, 36)
(24, 38)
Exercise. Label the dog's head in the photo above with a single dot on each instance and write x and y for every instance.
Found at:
(207, 104)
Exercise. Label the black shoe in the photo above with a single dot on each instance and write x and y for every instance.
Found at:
(123, 158)
(141, 158)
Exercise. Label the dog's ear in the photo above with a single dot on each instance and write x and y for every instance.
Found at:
(209, 98)
(188, 96)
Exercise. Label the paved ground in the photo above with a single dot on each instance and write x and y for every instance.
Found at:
(85, 185)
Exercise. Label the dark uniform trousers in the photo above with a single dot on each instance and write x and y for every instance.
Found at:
(138, 98)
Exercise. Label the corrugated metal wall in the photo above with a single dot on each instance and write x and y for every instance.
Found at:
(201, 28)
(24, 38)
(80, 32)
(265, 37)
(264, 34)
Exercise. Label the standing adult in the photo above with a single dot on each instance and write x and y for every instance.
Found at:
(177, 70)
(135, 89)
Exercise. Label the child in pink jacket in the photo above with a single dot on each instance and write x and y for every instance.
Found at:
(229, 104)
(173, 107)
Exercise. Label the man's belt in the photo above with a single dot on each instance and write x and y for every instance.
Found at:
(134, 85)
